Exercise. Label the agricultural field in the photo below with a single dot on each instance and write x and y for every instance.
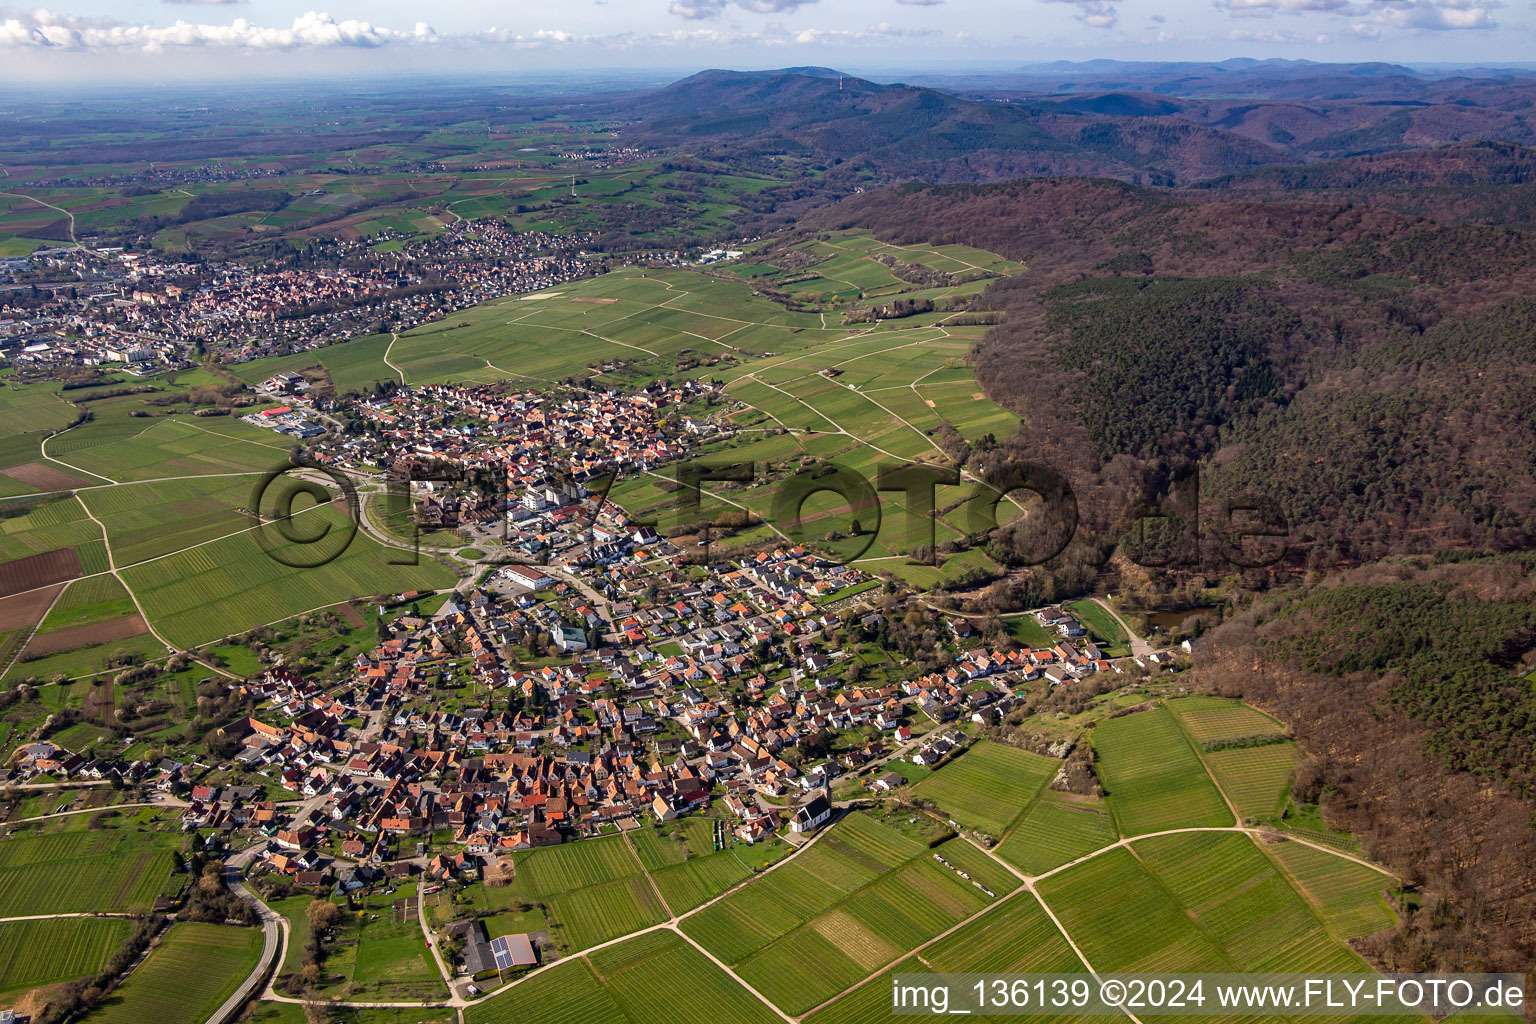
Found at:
(223, 587)
(353, 366)
(1236, 895)
(567, 993)
(693, 882)
(1123, 920)
(1154, 779)
(569, 866)
(145, 521)
(987, 786)
(597, 913)
(1102, 627)
(673, 842)
(865, 932)
(37, 953)
(854, 853)
(620, 985)
(858, 394)
(1016, 936)
(110, 870)
(1056, 831)
(1347, 896)
(293, 1013)
(591, 891)
(1215, 719)
(1255, 779)
(46, 527)
(186, 977)
(846, 907)
(117, 447)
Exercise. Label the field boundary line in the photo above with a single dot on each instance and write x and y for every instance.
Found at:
(733, 975)
(42, 448)
(1081, 956)
(648, 876)
(37, 625)
(106, 542)
(1195, 747)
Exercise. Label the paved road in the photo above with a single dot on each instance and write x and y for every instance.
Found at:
(273, 935)
(1140, 648)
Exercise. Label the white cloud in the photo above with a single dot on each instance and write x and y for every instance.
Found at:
(1429, 14)
(920, 3)
(1093, 13)
(1265, 8)
(1369, 17)
(772, 6)
(1242, 35)
(697, 10)
(42, 28)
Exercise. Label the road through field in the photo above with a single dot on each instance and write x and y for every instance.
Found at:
(273, 938)
(59, 209)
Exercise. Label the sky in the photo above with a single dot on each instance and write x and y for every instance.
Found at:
(232, 40)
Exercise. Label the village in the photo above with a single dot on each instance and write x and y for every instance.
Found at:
(546, 704)
(148, 312)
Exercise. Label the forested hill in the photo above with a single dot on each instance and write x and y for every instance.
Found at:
(1369, 371)
(900, 131)
(1410, 685)
(1477, 182)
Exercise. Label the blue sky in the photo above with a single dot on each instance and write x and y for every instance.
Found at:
(231, 39)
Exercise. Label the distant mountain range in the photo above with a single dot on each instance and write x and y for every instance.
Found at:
(1155, 123)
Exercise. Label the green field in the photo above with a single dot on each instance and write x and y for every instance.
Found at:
(1213, 719)
(1348, 896)
(1123, 920)
(1057, 831)
(1101, 625)
(1014, 937)
(185, 978)
(687, 885)
(1255, 779)
(224, 587)
(353, 366)
(856, 852)
(865, 932)
(35, 953)
(150, 520)
(1200, 901)
(1154, 779)
(851, 904)
(80, 872)
(601, 912)
(1235, 894)
(86, 601)
(557, 869)
(377, 953)
(652, 979)
(988, 786)
(568, 993)
(55, 524)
